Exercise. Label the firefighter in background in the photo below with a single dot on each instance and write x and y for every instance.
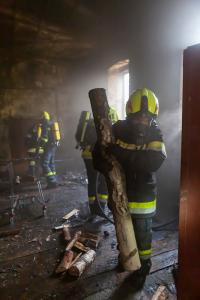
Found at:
(49, 141)
(140, 150)
(86, 138)
(34, 152)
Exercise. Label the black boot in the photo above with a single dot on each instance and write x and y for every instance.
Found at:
(139, 276)
(52, 185)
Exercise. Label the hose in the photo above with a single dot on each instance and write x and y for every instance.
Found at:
(154, 228)
(159, 227)
(99, 204)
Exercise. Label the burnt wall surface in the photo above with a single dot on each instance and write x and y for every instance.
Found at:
(51, 55)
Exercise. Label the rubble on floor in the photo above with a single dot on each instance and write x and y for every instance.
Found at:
(30, 257)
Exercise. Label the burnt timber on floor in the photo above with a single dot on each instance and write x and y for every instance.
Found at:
(29, 259)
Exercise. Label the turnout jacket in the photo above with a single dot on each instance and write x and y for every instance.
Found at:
(47, 138)
(89, 140)
(140, 153)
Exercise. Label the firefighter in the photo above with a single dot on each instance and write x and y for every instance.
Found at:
(34, 152)
(96, 182)
(49, 140)
(140, 150)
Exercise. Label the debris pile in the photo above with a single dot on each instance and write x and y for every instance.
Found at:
(79, 252)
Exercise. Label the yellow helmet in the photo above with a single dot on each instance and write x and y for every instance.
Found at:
(45, 115)
(142, 100)
(113, 115)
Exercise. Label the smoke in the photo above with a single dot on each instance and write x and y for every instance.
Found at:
(170, 122)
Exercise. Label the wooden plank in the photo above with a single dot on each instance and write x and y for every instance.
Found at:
(26, 253)
(160, 294)
(70, 214)
(164, 260)
(9, 232)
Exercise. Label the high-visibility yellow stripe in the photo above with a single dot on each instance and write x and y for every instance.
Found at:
(44, 139)
(157, 146)
(50, 174)
(145, 252)
(103, 196)
(92, 198)
(34, 150)
(142, 207)
(130, 146)
(86, 153)
(142, 204)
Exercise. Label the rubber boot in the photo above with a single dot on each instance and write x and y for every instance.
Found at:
(139, 276)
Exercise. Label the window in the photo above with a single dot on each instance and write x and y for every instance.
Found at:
(118, 86)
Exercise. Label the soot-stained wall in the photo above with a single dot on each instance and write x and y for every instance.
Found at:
(151, 34)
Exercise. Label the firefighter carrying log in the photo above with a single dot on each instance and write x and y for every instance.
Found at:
(140, 150)
(86, 139)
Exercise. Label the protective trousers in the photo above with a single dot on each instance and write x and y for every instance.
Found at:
(143, 235)
(48, 164)
(96, 187)
(141, 191)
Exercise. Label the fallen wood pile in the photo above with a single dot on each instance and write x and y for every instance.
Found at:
(79, 252)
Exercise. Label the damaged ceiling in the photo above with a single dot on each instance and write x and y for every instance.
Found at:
(62, 29)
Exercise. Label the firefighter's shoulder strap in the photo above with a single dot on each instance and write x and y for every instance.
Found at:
(82, 127)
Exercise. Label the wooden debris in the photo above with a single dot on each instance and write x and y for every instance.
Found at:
(90, 235)
(90, 240)
(60, 227)
(81, 247)
(70, 214)
(160, 294)
(91, 243)
(66, 233)
(65, 262)
(9, 232)
(76, 258)
(73, 241)
(116, 182)
(71, 257)
(85, 260)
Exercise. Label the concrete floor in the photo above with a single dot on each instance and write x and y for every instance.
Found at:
(28, 259)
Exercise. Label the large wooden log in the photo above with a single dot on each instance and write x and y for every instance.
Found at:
(85, 260)
(115, 179)
(68, 257)
(66, 233)
(65, 262)
(73, 241)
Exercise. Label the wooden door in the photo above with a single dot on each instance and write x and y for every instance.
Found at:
(189, 224)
